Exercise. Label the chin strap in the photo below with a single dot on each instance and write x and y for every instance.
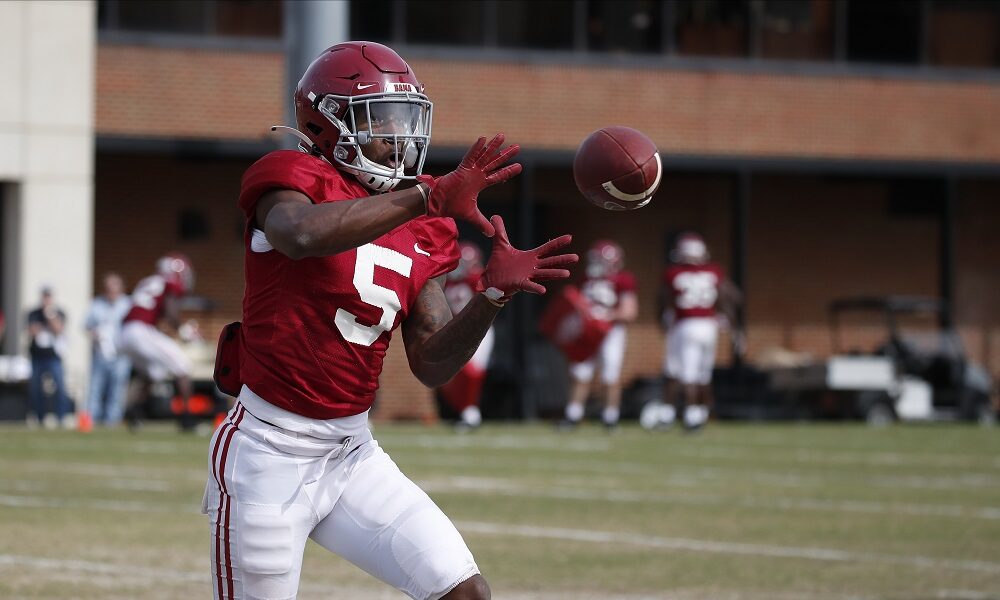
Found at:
(306, 144)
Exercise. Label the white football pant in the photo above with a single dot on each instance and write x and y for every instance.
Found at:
(153, 352)
(610, 355)
(277, 479)
(690, 355)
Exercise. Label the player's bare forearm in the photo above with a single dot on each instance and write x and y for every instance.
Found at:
(298, 228)
(439, 345)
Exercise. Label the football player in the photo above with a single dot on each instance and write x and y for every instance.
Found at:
(338, 255)
(463, 391)
(611, 293)
(693, 289)
(153, 353)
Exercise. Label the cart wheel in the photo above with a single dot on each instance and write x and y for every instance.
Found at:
(880, 414)
(985, 415)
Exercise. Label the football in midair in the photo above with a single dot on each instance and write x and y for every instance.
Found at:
(617, 168)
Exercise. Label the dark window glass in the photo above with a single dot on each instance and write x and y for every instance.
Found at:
(251, 18)
(241, 18)
(964, 34)
(192, 224)
(452, 22)
(713, 27)
(624, 25)
(883, 31)
(371, 20)
(103, 15)
(535, 24)
(796, 29)
(173, 16)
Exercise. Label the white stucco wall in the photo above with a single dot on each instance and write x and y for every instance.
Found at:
(47, 56)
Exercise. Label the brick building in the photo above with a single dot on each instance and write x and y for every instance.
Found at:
(823, 148)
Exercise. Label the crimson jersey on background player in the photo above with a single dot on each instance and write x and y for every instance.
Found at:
(315, 330)
(695, 289)
(149, 297)
(605, 293)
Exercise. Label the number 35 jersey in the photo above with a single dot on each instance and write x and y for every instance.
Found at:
(315, 330)
(695, 289)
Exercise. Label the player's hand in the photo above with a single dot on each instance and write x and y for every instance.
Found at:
(510, 270)
(456, 194)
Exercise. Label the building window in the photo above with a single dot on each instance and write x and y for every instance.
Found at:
(796, 29)
(964, 33)
(245, 18)
(372, 20)
(445, 22)
(625, 26)
(713, 27)
(883, 31)
(546, 24)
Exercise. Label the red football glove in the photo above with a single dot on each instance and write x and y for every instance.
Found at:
(510, 270)
(455, 194)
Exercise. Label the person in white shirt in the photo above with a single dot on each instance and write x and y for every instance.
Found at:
(109, 367)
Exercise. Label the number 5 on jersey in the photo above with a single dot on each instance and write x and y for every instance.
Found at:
(368, 256)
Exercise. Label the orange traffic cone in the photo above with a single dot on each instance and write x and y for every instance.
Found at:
(84, 423)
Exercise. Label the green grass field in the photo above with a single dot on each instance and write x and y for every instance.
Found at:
(739, 511)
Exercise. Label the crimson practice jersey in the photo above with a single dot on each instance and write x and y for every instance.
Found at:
(695, 289)
(605, 293)
(460, 291)
(315, 330)
(149, 296)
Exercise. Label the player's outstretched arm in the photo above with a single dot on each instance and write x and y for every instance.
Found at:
(298, 228)
(437, 345)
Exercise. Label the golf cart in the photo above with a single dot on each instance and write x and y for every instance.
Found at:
(919, 372)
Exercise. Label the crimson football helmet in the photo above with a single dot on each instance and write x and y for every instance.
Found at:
(361, 107)
(470, 261)
(690, 249)
(605, 258)
(176, 268)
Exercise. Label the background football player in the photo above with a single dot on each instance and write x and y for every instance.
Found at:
(693, 289)
(463, 392)
(336, 259)
(611, 293)
(156, 355)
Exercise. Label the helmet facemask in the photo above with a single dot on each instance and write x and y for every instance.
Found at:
(383, 137)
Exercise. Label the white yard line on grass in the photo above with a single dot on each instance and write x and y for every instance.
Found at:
(500, 442)
(710, 449)
(714, 547)
(99, 568)
(686, 473)
(92, 469)
(96, 504)
(586, 535)
(505, 487)
(84, 571)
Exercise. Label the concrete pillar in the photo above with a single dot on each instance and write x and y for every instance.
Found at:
(310, 28)
(47, 55)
